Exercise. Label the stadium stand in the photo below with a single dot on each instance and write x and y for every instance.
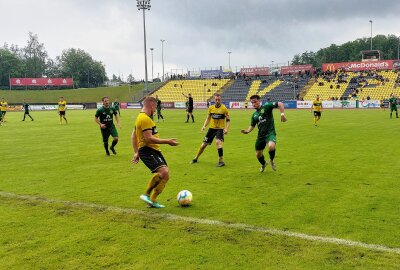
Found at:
(201, 90)
(275, 88)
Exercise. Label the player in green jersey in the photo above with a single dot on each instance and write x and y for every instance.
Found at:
(104, 118)
(26, 108)
(159, 108)
(264, 120)
(393, 105)
(116, 106)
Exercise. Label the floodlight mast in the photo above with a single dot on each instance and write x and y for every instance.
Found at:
(144, 5)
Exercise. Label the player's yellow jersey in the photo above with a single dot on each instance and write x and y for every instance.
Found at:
(62, 105)
(143, 123)
(218, 116)
(3, 106)
(317, 105)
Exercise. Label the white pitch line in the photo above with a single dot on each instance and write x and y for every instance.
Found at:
(241, 226)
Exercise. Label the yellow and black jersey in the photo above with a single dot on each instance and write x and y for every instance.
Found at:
(317, 105)
(3, 106)
(218, 116)
(143, 123)
(62, 105)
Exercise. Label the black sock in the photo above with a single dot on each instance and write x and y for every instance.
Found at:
(261, 160)
(114, 143)
(192, 118)
(272, 155)
(187, 118)
(220, 152)
(106, 146)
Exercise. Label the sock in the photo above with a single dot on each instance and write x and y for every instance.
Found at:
(187, 118)
(114, 143)
(261, 160)
(65, 120)
(221, 154)
(272, 154)
(192, 118)
(158, 189)
(152, 183)
(315, 120)
(106, 146)
(199, 152)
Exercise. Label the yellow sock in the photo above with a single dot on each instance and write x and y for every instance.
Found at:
(152, 183)
(158, 189)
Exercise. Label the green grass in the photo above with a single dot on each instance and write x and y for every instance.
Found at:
(122, 93)
(337, 180)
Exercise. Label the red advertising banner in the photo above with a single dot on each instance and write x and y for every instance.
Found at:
(296, 69)
(41, 82)
(255, 71)
(357, 66)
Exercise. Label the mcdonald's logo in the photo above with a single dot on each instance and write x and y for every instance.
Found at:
(330, 67)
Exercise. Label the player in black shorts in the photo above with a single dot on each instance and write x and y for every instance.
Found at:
(189, 108)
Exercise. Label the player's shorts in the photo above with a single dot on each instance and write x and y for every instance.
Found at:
(317, 113)
(212, 133)
(107, 132)
(393, 108)
(261, 143)
(3, 113)
(26, 112)
(62, 112)
(190, 109)
(152, 158)
(158, 111)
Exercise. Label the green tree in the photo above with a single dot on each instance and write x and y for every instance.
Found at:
(35, 57)
(10, 66)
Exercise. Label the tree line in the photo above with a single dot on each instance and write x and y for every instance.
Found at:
(350, 51)
(32, 61)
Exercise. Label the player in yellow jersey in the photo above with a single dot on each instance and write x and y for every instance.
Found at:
(62, 106)
(317, 108)
(3, 105)
(146, 145)
(218, 118)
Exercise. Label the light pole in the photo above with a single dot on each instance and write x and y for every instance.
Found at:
(371, 33)
(162, 57)
(152, 78)
(144, 4)
(229, 55)
(398, 48)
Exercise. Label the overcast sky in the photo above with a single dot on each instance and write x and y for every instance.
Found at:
(198, 33)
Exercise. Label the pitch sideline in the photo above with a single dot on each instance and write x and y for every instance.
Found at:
(314, 238)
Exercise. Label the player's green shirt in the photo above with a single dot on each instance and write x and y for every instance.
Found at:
(264, 119)
(158, 105)
(106, 116)
(393, 102)
(116, 105)
(26, 107)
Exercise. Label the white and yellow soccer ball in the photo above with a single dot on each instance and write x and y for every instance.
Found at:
(184, 198)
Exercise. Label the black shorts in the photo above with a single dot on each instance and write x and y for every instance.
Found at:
(4, 113)
(317, 113)
(190, 109)
(107, 132)
(62, 112)
(213, 132)
(152, 158)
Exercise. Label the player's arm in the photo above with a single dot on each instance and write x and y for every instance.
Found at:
(150, 139)
(281, 108)
(248, 130)
(185, 95)
(228, 123)
(135, 146)
(97, 120)
(206, 122)
(117, 120)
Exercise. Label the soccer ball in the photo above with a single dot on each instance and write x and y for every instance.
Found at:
(184, 198)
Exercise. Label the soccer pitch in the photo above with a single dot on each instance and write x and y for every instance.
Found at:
(66, 205)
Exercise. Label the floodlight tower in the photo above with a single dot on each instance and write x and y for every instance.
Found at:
(162, 57)
(371, 33)
(144, 5)
(229, 56)
(152, 77)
